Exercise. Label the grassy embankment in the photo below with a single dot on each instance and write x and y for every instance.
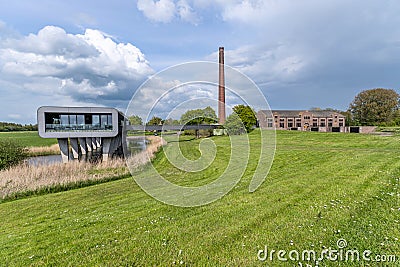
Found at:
(322, 187)
(36, 146)
(25, 180)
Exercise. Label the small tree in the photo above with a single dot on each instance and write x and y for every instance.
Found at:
(199, 116)
(234, 125)
(135, 120)
(375, 106)
(247, 116)
(11, 153)
(155, 121)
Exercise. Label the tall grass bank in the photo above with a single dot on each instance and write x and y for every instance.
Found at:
(23, 179)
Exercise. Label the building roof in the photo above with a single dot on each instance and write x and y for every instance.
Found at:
(296, 113)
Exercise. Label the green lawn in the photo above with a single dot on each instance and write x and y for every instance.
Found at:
(322, 187)
(28, 139)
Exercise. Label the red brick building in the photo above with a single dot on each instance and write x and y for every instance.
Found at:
(302, 120)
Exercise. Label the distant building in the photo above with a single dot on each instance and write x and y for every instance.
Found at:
(302, 120)
(82, 130)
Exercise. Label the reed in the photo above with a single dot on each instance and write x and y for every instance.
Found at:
(43, 150)
(24, 179)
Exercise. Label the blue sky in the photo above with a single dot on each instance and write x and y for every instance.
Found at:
(301, 54)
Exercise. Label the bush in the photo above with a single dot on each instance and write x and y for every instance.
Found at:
(11, 153)
(234, 125)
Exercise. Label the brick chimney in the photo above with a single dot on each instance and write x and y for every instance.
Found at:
(221, 88)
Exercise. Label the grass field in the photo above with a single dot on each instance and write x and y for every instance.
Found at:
(322, 187)
(29, 139)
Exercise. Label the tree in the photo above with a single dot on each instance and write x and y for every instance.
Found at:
(247, 116)
(199, 116)
(135, 120)
(155, 121)
(11, 153)
(234, 125)
(375, 106)
(171, 121)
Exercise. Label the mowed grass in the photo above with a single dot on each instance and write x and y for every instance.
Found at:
(29, 138)
(321, 187)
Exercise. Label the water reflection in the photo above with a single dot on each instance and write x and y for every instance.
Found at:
(44, 160)
(136, 144)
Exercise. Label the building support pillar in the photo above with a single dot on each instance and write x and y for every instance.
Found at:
(63, 144)
(106, 148)
(98, 142)
(89, 144)
(94, 145)
(82, 145)
(74, 147)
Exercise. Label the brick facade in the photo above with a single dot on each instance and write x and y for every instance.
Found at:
(302, 120)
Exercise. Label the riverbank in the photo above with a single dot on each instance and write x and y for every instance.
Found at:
(25, 180)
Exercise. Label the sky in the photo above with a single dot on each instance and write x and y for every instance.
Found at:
(301, 54)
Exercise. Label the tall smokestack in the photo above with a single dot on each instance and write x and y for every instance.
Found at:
(221, 88)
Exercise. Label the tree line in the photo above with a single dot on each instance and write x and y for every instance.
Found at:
(243, 119)
(13, 127)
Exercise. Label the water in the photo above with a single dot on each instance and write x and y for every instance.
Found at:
(44, 160)
(136, 144)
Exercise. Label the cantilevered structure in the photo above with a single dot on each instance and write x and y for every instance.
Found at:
(84, 129)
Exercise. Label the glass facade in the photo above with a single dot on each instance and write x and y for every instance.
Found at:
(57, 122)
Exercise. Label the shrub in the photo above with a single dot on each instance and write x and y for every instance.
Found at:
(11, 153)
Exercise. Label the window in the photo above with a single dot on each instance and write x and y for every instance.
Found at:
(72, 119)
(322, 124)
(306, 117)
(78, 122)
(80, 119)
(95, 119)
(270, 123)
(64, 119)
(315, 124)
(281, 125)
(103, 120)
(298, 124)
(290, 124)
(340, 124)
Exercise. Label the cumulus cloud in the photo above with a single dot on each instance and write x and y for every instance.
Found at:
(166, 10)
(158, 11)
(186, 13)
(89, 67)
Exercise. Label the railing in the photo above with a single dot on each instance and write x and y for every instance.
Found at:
(77, 127)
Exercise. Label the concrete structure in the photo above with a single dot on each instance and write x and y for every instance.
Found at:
(221, 88)
(80, 131)
(303, 120)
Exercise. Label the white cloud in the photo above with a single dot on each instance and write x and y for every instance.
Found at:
(245, 11)
(166, 10)
(87, 67)
(186, 13)
(158, 11)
